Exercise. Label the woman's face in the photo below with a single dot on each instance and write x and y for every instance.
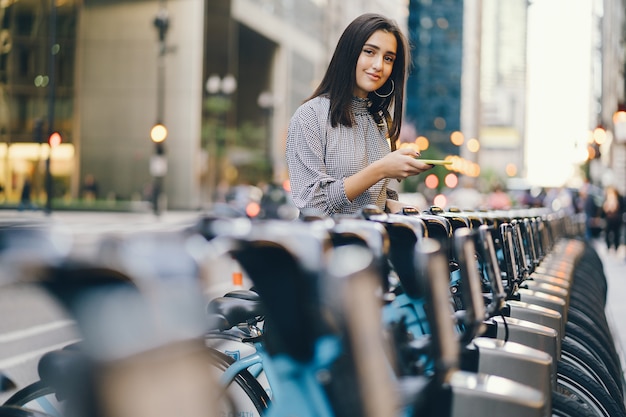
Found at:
(375, 63)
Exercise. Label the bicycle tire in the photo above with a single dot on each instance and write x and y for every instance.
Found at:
(598, 350)
(565, 406)
(601, 326)
(581, 286)
(36, 397)
(604, 336)
(601, 331)
(244, 381)
(587, 391)
(16, 411)
(575, 353)
(589, 305)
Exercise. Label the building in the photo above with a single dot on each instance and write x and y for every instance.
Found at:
(613, 98)
(28, 111)
(503, 89)
(434, 85)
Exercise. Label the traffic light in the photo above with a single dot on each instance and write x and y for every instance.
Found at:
(38, 131)
(55, 139)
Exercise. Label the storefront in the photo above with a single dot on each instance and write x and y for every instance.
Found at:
(22, 162)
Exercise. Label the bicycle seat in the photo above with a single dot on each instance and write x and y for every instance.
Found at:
(249, 295)
(221, 223)
(236, 310)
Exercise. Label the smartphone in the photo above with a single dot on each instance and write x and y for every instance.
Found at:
(435, 161)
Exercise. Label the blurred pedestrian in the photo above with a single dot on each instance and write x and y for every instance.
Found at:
(25, 196)
(338, 142)
(90, 188)
(591, 209)
(533, 197)
(612, 212)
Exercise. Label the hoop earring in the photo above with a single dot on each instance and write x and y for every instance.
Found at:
(393, 87)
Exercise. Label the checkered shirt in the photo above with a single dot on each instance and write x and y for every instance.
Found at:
(320, 156)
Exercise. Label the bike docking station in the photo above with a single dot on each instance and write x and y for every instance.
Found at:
(434, 313)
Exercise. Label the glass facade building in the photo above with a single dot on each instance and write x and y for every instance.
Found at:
(434, 84)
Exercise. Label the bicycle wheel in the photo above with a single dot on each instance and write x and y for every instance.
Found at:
(565, 406)
(574, 353)
(599, 350)
(587, 391)
(37, 396)
(15, 411)
(245, 396)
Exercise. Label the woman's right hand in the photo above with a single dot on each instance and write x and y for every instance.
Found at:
(398, 164)
(402, 163)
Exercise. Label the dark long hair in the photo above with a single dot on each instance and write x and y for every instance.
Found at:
(340, 78)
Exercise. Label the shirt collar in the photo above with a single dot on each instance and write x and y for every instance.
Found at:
(360, 105)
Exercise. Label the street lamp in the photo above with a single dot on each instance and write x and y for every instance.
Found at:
(226, 85)
(158, 132)
(266, 102)
(158, 164)
(51, 100)
(217, 104)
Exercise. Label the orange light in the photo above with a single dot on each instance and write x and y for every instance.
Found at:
(440, 200)
(511, 170)
(287, 186)
(451, 180)
(422, 143)
(410, 145)
(599, 135)
(592, 152)
(474, 170)
(55, 139)
(457, 138)
(619, 117)
(237, 279)
(253, 209)
(473, 145)
(431, 181)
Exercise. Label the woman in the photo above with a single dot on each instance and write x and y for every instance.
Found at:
(338, 153)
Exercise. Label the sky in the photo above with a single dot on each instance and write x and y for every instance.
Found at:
(559, 88)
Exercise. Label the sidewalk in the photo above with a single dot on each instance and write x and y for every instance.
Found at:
(615, 271)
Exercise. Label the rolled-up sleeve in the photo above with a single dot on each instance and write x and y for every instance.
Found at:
(311, 186)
